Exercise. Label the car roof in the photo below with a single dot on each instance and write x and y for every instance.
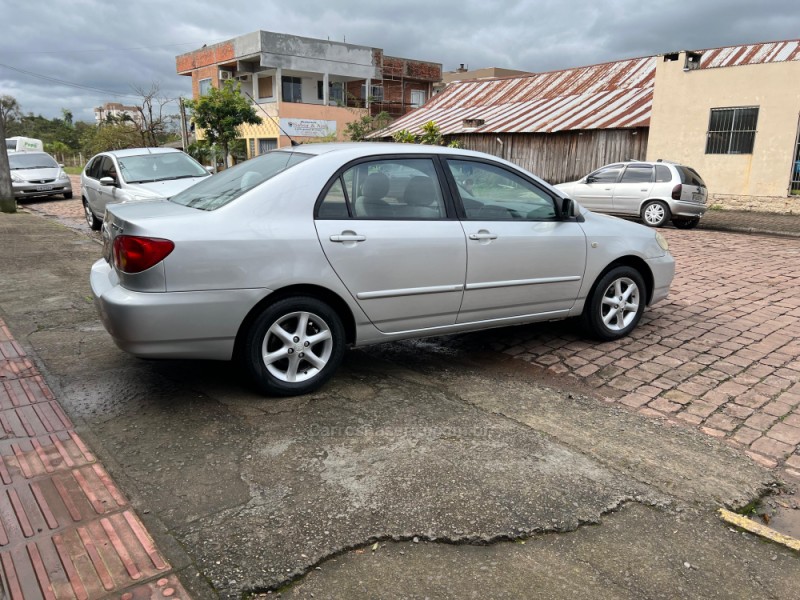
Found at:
(377, 148)
(140, 151)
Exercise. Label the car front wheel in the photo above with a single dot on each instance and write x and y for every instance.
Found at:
(294, 346)
(616, 304)
(655, 213)
(91, 219)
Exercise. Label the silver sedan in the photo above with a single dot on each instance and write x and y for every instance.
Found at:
(285, 260)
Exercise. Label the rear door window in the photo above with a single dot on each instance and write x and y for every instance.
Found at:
(637, 174)
(663, 174)
(398, 189)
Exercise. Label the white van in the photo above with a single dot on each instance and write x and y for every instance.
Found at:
(23, 144)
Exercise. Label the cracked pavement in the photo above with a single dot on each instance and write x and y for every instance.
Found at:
(457, 446)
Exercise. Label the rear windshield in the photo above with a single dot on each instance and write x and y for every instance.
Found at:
(30, 160)
(225, 187)
(690, 177)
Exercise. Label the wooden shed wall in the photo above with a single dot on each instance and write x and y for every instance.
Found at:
(563, 156)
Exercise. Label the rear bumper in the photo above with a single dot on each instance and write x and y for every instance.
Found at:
(691, 210)
(198, 325)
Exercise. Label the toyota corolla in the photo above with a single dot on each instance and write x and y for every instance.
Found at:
(285, 260)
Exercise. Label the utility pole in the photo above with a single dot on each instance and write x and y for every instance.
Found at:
(184, 129)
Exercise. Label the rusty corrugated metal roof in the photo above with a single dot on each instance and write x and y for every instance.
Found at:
(752, 54)
(606, 96)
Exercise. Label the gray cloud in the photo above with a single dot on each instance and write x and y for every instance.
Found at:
(112, 47)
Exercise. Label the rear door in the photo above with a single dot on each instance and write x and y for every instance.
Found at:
(386, 230)
(634, 187)
(693, 188)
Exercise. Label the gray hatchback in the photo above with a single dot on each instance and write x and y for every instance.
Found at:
(37, 174)
(656, 192)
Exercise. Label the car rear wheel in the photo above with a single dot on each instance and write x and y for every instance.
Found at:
(93, 221)
(294, 346)
(615, 305)
(686, 223)
(655, 213)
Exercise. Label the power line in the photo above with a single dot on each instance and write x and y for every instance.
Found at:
(68, 83)
(105, 50)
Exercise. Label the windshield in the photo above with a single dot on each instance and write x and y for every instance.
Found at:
(31, 160)
(11, 144)
(146, 168)
(230, 184)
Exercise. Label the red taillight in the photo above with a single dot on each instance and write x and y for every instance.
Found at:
(134, 254)
(676, 192)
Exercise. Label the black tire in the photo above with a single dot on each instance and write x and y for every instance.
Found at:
(291, 350)
(91, 219)
(655, 213)
(686, 223)
(624, 281)
(67, 195)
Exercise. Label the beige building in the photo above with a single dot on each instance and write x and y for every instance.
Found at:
(732, 114)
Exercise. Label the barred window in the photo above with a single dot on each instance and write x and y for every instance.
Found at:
(732, 130)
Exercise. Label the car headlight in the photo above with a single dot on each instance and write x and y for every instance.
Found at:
(662, 241)
(17, 178)
(62, 176)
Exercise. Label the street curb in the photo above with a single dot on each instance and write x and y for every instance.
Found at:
(750, 230)
(743, 522)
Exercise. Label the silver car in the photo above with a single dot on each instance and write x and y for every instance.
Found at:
(36, 175)
(286, 259)
(656, 192)
(135, 175)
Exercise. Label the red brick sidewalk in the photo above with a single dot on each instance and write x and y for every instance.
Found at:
(722, 353)
(66, 531)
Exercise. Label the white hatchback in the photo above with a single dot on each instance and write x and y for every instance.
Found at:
(135, 175)
(656, 192)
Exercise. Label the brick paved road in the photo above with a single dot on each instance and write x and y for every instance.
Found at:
(722, 353)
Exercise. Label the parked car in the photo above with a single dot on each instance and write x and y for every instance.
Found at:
(283, 260)
(37, 174)
(135, 175)
(656, 192)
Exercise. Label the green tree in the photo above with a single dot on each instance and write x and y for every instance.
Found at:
(358, 130)
(220, 112)
(9, 109)
(431, 135)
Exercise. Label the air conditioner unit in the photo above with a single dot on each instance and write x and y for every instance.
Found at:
(245, 77)
(225, 75)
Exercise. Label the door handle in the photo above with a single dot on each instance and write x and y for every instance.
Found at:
(483, 235)
(348, 237)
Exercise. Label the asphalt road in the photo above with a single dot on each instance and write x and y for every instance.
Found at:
(447, 456)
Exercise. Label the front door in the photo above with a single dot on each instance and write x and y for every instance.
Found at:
(522, 259)
(596, 190)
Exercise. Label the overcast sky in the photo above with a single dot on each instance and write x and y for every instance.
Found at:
(113, 46)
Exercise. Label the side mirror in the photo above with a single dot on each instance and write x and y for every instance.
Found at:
(108, 181)
(567, 208)
(589, 179)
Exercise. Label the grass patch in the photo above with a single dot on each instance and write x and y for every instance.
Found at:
(73, 170)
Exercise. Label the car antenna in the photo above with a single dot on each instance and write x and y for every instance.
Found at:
(274, 120)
